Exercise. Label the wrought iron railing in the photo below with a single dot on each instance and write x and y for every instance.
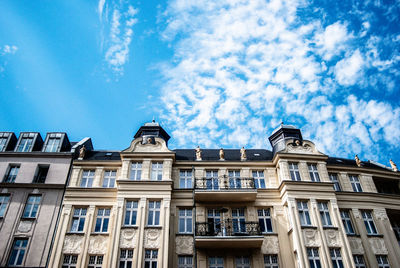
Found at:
(228, 227)
(224, 183)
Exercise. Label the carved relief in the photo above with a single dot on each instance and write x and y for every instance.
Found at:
(380, 214)
(356, 213)
(356, 245)
(152, 238)
(97, 244)
(35, 191)
(25, 226)
(156, 145)
(332, 238)
(4, 191)
(127, 238)
(378, 245)
(73, 244)
(184, 245)
(311, 238)
(270, 245)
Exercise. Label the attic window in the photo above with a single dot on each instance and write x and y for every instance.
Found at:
(108, 154)
(256, 154)
(340, 161)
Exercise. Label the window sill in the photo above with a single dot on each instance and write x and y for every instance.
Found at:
(99, 233)
(353, 235)
(75, 233)
(374, 235)
(183, 234)
(153, 226)
(129, 226)
(308, 227)
(330, 228)
(28, 219)
(270, 233)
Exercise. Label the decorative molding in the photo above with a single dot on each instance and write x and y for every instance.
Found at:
(380, 214)
(25, 226)
(297, 147)
(4, 191)
(356, 213)
(311, 238)
(35, 191)
(98, 244)
(73, 244)
(158, 145)
(152, 238)
(333, 238)
(184, 245)
(128, 238)
(270, 245)
(356, 245)
(378, 245)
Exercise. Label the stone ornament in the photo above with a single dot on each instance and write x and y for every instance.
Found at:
(82, 152)
(358, 161)
(142, 145)
(184, 245)
(311, 238)
(270, 245)
(332, 238)
(221, 154)
(300, 147)
(243, 156)
(73, 244)
(380, 214)
(393, 165)
(25, 226)
(378, 245)
(152, 238)
(356, 245)
(198, 153)
(97, 244)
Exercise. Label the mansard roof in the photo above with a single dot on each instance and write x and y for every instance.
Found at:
(230, 154)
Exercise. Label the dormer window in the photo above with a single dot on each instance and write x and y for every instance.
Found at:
(26, 142)
(53, 143)
(3, 141)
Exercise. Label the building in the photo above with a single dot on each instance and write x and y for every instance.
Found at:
(149, 206)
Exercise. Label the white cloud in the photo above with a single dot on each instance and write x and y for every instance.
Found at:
(333, 40)
(8, 49)
(348, 70)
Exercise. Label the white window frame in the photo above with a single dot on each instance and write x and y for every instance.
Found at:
(212, 180)
(335, 179)
(32, 206)
(51, 144)
(153, 217)
(294, 171)
(12, 173)
(238, 220)
(304, 213)
(313, 171)
(156, 171)
(185, 179)
(185, 221)
(234, 179)
(383, 261)
(324, 213)
(369, 222)
(185, 261)
(131, 213)
(95, 261)
(126, 257)
(313, 256)
(20, 250)
(3, 142)
(4, 200)
(150, 257)
(69, 261)
(359, 261)
(271, 261)
(103, 218)
(215, 262)
(78, 215)
(347, 221)
(87, 178)
(264, 215)
(259, 179)
(25, 144)
(355, 183)
(336, 257)
(109, 177)
(242, 262)
(136, 171)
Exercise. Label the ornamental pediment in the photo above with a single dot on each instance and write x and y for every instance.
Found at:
(296, 146)
(148, 144)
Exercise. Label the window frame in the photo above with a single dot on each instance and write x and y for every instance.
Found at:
(150, 259)
(55, 148)
(234, 179)
(96, 258)
(185, 220)
(269, 261)
(18, 249)
(313, 171)
(336, 257)
(186, 263)
(89, 178)
(32, 205)
(359, 261)
(126, 258)
(381, 259)
(133, 212)
(79, 218)
(355, 183)
(103, 219)
(347, 221)
(259, 181)
(153, 213)
(216, 264)
(313, 259)
(369, 222)
(266, 218)
(71, 262)
(4, 201)
(10, 169)
(135, 171)
(185, 181)
(294, 171)
(26, 147)
(212, 179)
(334, 178)
(238, 220)
(304, 210)
(39, 176)
(107, 178)
(243, 263)
(323, 208)
(156, 171)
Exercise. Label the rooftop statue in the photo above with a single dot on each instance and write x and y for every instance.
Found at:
(358, 161)
(198, 153)
(394, 167)
(221, 154)
(82, 152)
(243, 156)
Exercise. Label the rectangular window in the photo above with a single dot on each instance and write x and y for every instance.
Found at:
(4, 199)
(238, 221)
(150, 258)
(185, 221)
(26, 143)
(214, 222)
(156, 171)
(347, 223)
(304, 214)
(324, 213)
(78, 220)
(355, 183)
(312, 169)
(216, 262)
(130, 213)
(294, 172)
(271, 261)
(334, 178)
(369, 222)
(87, 178)
(41, 174)
(32, 206)
(212, 180)
(264, 220)
(109, 178)
(102, 220)
(136, 171)
(95, 261)
(359, 261)
(242, 262)
(185, 261)
(382, 261)
(259, 180)
(154, 213)
(69, 261)
(185, 179)
(18, 252)
(336, 257)
(3, 141)
(11, 173)
(313, 258)
(126, 258)
(234, 179)
(53, 143)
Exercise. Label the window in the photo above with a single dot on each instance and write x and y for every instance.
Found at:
(294, 172)
(53, 143)
(185, 261)
(355, 183)
(216, 262)
(78, 220)
(25, 143)
(41, 174)
(156, 171)
(126, 258)
(130, 213)
(359, 261)
(18, 252)
(313, 258)
(271, 261)
(214, 222)
(242, 262)
(69, 261)
(3, 141)
(334, 178)
(324, 213)
(259, 181)
(136, 171)
(154, 213)
(3, 204)
(11, 173)
(109, 178)
(346, 219)
(234, 179)
(185, 221)
(312, 169)
(150, 258)
(238, 220)
(102, 219)
(212, 180)
(304, 215)
(32, 206)
(382, 261)
(264, 220)
(185, 179)
(369, 222)
(95, 261)
(87, 178)
(336, 257)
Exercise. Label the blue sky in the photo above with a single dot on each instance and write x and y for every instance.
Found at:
(221, 74)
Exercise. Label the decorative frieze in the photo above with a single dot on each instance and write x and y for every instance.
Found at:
(378, 245)
(380, 214)
(270, 245)
(128, 238)
(98, 244)
(25, 226)
(73, 244)
(184, 245)
(333, 238)
(311, 238)
(152, 238)
(356, 245)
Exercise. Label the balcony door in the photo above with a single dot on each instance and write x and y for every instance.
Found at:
(238, 221)
(234, 179)
(214, 222)
(212, 179)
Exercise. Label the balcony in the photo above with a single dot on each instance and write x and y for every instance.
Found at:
(224, 188)
(228, 234)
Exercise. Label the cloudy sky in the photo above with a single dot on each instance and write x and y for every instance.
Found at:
(213, 73)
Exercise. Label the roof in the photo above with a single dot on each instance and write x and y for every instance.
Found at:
(102, 155)
(352, 163)
(230, 154)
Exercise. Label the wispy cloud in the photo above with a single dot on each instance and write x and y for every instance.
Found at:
(6, 50)
(240, 67)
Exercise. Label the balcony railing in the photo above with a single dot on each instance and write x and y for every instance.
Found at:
(224, 183)
(228, 227)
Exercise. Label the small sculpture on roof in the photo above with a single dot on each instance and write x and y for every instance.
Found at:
(394, 167)
(221, 154)
(198, 153)
(82, 152)
(358, 161)
(243, 156)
